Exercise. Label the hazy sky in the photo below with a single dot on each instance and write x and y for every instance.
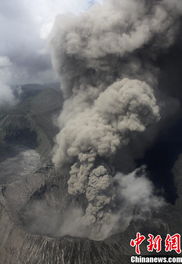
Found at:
(24, 27)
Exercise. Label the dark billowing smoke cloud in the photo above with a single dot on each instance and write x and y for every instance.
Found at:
(114, 103)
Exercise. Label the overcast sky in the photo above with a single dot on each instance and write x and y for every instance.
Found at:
(24, 27)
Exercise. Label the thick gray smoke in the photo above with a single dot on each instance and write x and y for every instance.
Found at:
(111, 98)
(134, 192)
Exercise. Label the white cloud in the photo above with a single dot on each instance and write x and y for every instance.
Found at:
(6, 94)
(45, 11)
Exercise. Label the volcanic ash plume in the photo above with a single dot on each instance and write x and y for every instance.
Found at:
(111, 96)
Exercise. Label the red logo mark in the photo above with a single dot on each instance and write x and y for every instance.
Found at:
(154, 243)
(137, 242)
(173, 243)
